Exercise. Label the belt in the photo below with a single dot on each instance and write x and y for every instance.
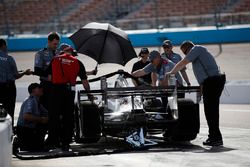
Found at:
(73, 88)
(68, 86)
(216, 76)
(7, 83)
(219, 76)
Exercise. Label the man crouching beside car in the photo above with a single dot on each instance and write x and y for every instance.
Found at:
(32, 121)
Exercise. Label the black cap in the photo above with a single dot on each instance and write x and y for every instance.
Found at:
(33, 86)
(66, 47)
(167, 43)
(144, 51)
(154, 54)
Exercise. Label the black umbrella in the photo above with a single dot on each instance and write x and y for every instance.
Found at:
(104, 43)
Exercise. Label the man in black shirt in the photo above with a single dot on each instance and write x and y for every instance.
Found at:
(144, 53)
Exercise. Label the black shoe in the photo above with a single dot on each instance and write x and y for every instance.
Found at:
(210, 142)
(49, 145)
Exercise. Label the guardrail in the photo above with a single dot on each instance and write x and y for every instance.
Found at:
(152, 37)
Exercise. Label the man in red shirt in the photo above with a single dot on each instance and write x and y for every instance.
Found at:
(63, 72)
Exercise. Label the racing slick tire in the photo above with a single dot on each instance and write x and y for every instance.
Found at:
(88, 124)
(188, 123)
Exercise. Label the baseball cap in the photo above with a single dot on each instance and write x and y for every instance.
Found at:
(167, 43)
(144, 51)
(63, 46)
(154, 54)
(33, 86)
(66, 47)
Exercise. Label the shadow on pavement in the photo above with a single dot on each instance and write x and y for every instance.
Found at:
(118, 146)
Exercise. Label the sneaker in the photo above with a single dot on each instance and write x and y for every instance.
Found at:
(210, 142)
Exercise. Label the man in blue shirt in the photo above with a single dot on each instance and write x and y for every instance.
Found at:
(174, 57)
(42, 60)
(212, 83)
(32, 121)
(160, 67)
(8, 75)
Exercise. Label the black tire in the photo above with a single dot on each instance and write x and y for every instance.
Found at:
(188, 123)
(15, 145)
(90, 123)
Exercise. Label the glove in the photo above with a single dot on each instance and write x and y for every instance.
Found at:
(91, 97)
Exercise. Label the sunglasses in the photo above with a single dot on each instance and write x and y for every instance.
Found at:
(185, 51)
(143, 55)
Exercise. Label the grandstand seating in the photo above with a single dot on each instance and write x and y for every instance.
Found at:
(37, 15)
(176, 8)
(27, 14)
(91, 10)
(96, 10)
(242, 6)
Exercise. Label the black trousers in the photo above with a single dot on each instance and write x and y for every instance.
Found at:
(8, 98)
(62, 115)
(31, 139)
(212, 89)
(46, 97)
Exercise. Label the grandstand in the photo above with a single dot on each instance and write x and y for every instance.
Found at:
(41, 16)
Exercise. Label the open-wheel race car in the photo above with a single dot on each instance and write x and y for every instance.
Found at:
(136, 113)
(132, 117)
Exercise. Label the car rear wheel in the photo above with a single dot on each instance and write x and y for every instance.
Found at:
(187, 125)
(88, 123)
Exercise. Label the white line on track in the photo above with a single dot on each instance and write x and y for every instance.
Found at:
(235, 110)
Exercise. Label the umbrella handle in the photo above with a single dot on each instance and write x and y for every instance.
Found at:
(95, 70)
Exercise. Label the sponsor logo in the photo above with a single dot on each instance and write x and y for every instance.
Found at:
(3, 59)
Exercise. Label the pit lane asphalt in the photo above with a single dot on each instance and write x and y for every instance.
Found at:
(234, 120)
(235, 127)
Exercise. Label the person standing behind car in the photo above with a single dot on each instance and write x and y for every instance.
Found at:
(42, 60)
(8, 75)
(32, 121)
(212, 83)
(144, 53)
(174, 57)
(63, 72)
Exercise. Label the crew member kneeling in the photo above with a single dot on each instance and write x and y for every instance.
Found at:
(32, 121)
(63, 72)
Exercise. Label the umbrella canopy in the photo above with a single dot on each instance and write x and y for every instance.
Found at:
(104, 43)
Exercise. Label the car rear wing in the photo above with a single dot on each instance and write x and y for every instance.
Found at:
(145, 91)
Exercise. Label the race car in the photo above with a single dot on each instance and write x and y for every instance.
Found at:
(136, 113)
